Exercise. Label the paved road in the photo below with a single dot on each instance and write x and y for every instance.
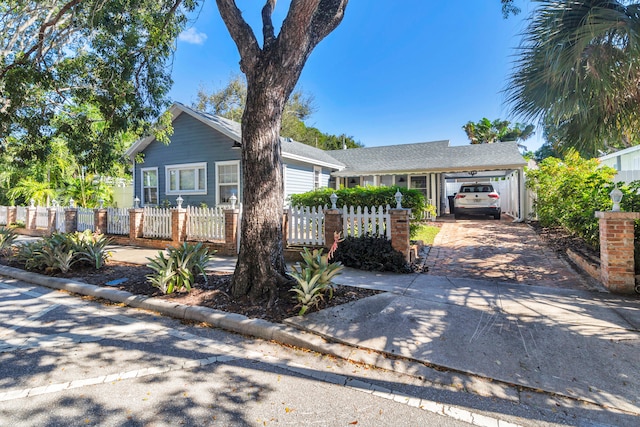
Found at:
(70, 361)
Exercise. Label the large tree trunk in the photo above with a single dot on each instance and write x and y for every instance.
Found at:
(261, 266)
(272, 72)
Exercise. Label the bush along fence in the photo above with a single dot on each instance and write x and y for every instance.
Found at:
(218, 227)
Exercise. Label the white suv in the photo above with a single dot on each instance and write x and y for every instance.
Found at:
(477, 199)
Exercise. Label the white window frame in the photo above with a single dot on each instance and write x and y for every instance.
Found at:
(142, 186)
(317, 177)
(218, 184)
(181, 167)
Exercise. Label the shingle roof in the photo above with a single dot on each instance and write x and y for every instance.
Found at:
(290, 149)
(436, 156)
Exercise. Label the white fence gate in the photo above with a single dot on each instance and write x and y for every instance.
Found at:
(85, 219)
(359, 221)
(156, 223)
(205, 223)
(118, 221)
(305, 225)
(3, 215)
(42, 217)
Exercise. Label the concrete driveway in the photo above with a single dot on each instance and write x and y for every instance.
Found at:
(487, 249)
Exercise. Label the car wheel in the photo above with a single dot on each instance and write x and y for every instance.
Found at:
(496, 216)
(456, 215)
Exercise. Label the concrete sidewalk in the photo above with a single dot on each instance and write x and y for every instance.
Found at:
(580, 344)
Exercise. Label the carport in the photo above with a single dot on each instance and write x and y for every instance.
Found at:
(437, 169)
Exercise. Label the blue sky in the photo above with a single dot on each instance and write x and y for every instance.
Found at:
(391, 73)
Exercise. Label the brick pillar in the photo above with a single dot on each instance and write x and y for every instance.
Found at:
(332, 223)
(12, 212)
(100, 221)
(30, 223)
(617, 271)
(51, 223)
(400, 231)
(178, 225)
(231, 230)
(135, 223)
(71, 220)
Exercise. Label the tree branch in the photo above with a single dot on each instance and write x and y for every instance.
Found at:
(241, 33)
(267, 24)
(326, 19)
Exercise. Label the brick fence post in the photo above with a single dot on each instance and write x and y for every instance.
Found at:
(12, 213)
(51, 223)
(100, 221)
(135, 223)
(332, 224)
(30, 222)
(178, 225)
(231, 230)
(400, 231)
(617, 270)
(70, 220)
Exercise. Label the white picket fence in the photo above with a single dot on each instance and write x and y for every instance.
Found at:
(305, 225)
(156, 223)
(60, 220)
(360, 221)
(118, 221)
(42, 217)
(205, 223)
(85, 219)
(21, 214)
(4, 215)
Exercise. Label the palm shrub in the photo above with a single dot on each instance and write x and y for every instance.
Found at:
(314, 278)
(7, 239)
(178, 270)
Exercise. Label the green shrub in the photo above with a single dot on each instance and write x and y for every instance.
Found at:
(91, 248)
(7, 239)
(179, 269)
(371, 253)
(314, 278)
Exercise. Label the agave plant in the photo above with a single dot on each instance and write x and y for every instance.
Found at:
(7, 239)
(314, 278)
(178, 270)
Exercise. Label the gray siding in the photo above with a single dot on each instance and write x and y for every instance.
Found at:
(299, 178)
(191, 142)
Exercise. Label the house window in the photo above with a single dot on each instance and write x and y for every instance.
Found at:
(149, 186)
(419, 183)
(187, 179)
(386, 180)
(317, 175)
(227, 181)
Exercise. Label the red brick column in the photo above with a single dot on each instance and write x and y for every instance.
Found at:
(100, 221)
(51, 223)
(231, 230)
(617, 271)
(70, 220)
(135, 223)
(12, 212)
(178, 225)
(400, 231)
(332, 223)
(30, 223)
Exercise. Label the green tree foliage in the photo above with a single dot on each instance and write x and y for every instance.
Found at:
(87, 71)
(486, 131)
(230, 100)
(578, 71)
(569, 191)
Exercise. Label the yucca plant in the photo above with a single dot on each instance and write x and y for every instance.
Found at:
(179, 269)
(7, 239)
(314, 278)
